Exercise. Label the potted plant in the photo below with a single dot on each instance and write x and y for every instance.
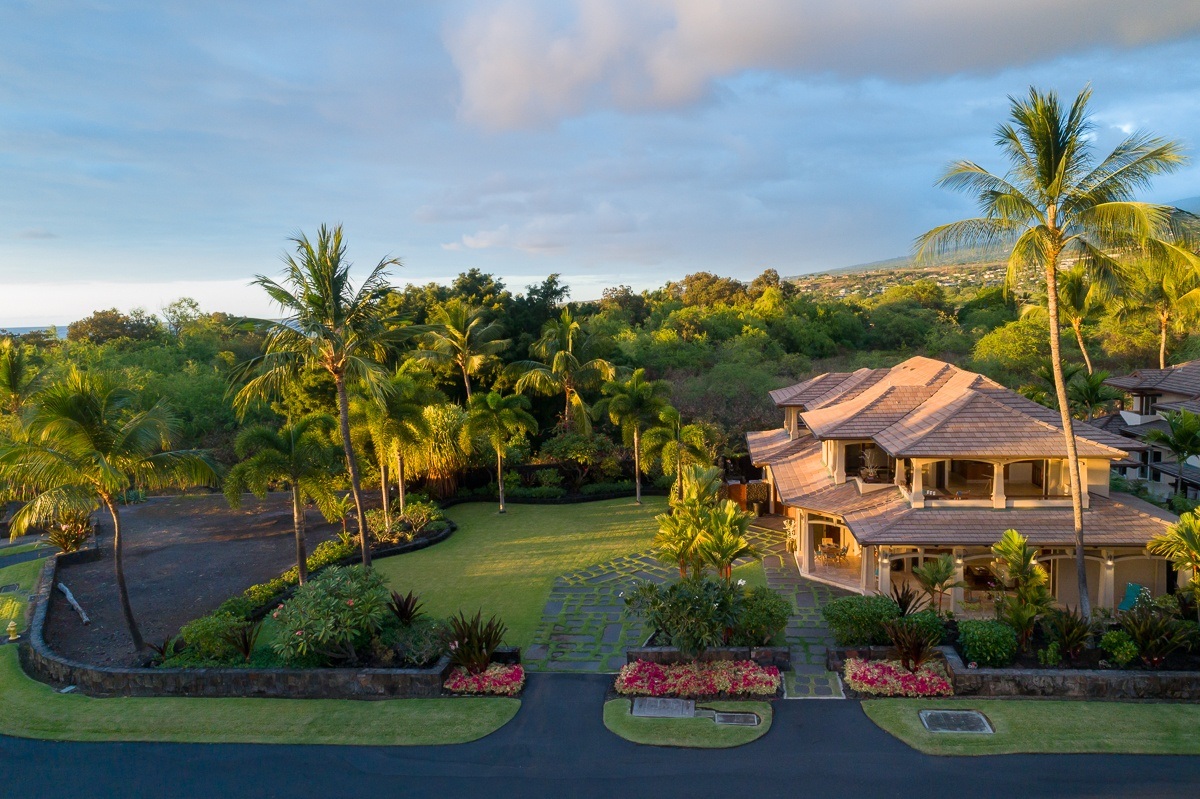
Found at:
(874, 465)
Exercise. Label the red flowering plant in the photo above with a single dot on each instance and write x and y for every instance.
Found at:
(889, 678)
(696, 680)
(498, 679)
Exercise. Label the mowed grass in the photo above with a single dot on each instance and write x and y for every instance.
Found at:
(29, 709)
(1052, 727)
(505, 565)
(12, 605)
(20, 549)
(694, 733)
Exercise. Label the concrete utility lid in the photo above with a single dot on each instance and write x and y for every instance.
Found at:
(737, 719)
(4, 589)
(968, 721)
(661, 708)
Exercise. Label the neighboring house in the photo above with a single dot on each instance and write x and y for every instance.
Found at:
(879, 469)
(1155, 393)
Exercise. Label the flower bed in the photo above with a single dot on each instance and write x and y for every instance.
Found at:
(698, 680)
(889, 678)
(499, 680)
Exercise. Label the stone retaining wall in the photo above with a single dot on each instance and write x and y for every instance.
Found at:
(1072, 683)
(779, 656)
(42, 663)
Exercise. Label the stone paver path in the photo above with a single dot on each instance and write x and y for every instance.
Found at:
(585, 628)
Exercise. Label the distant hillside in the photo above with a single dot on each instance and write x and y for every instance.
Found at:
(1190, 204)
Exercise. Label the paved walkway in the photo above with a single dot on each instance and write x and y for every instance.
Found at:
(585, 628)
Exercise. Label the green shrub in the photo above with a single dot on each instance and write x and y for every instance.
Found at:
(329, 552)
(1050, 656)
(332, 616)
(1156, 633)
(987, 643)
(237, 606)
(548, 478)
(537, 492)
(418, 514)
(691, 614)
(412, 646)
(619, 487)
(859, 620)
(928, 621)
(1068, 630)
(209, 637)
(473, 641)
(1119, 646)
(664, 482)
(764, 614)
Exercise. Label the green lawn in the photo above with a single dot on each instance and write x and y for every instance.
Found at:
(29, 709)
(12, 605)
(506, 565)
(1047, 726)
(695, 733)
(21, 548)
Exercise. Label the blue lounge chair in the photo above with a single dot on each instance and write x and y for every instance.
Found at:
(1132, 592)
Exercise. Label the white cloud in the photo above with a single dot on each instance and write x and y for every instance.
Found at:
(528, 62)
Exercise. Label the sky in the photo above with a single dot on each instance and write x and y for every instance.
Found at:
(155, 150)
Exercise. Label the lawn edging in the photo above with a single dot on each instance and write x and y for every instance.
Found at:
(39, 661)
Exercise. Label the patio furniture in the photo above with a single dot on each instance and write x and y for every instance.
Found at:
(840, 555)
(1132, 592)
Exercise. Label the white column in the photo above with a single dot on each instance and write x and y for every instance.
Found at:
(839, 462)
(998, 498)
(918, 488)
(1108, 571)
(885, 573)
(806, 544)
(956, 593)
(866, 579)
(770, 490)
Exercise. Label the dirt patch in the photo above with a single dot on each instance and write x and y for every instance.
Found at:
(183, 557)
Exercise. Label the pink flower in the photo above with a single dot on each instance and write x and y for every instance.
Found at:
(299, 632)
(350, 602)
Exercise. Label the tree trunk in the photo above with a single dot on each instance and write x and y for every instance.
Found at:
(1163, 324)
(400, 478)
(122, 589)
(500, 477)
(352, 466)
(298, 523)
(384, 492)
(637, 466)
(567, 415)
(1077, 326)
(466, 380)
(1060, 391)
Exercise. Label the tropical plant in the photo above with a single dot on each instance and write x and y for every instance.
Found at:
(473, 641)
(914, 643)
(19, 376)
(1180, 544)
(1057, 207)
(1079, 298)
(1156, 634)
(1181, 438)
(1166, 289)
(327, 326)
(908, 599)
(1026, 597)
(679, 538)
(937, 577)
(675, 445)
(447, 449)
(333, 617)
(243, 638)
(406, 608)
(497, 420)
(71, 531)
(1119, 646)
(567, 367)
(987, 643)
(299, 456)
(1068, 629)
(764, 614)
(1090, 396)
(395, 424)
(84, 443)
(633, 405)
(692, 614)
(463, 336)
(723, 539)
(859, 620)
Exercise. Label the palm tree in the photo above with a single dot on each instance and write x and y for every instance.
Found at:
(679, 537)
(1089, 395)
(462, 335)
(1180, 544)
(633, 405)
(1167, 289)
(724, 539)
(86, 442)
(328, 326)
(19, 378)
(1182, 438)
(566, 368)
(676, 445)
(299, 455)
(1079, 298)
(497, 419)
(447, 448)
(1057, 207)
(936, 576)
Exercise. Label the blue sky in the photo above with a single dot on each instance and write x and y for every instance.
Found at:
(152, 150)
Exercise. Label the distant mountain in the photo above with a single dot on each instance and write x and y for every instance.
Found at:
(1190, 204)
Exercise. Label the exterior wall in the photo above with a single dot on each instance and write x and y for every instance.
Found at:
(1067, 584)
(1145, 572)
(1098, 472)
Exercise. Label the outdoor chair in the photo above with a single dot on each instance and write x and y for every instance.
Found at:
(1132, 592)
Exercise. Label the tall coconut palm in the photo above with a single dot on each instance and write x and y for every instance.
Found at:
(397, 425)
(633, 405)
(1180, 544)
(1182, 438)
(566, 367)
(328, 326)
(497, 419)
(675, 445)
(1057, 206)
(299, 456)
(1166, 289)
(464, 336)
(86, 442)
(1079, 299)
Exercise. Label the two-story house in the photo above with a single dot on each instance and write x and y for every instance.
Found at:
(881, 468)
(1154, 394)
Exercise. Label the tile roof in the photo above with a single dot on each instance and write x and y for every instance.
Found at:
(1181, 379)
(826, 388)
(1120, 520)
(1191, 474)
(1191, 406)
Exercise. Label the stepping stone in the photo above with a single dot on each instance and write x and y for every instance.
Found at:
(966, 721)
(552, 608)
(572, 665)
(655, 707)
(612, 634)
(536, 652)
